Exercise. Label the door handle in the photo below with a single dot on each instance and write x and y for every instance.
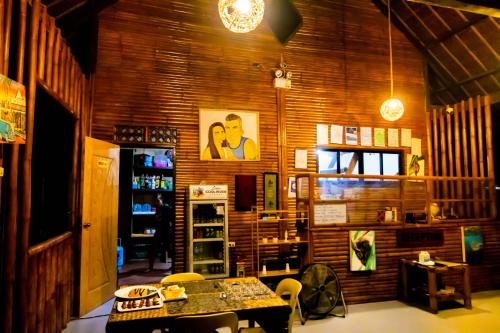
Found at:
(86, 225)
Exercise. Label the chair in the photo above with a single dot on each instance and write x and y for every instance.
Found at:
(206, 323)
(286, 286)
(182, 277)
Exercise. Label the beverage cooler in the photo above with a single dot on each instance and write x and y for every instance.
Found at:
(207, 235)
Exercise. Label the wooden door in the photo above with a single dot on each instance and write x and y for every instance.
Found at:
(99, 223)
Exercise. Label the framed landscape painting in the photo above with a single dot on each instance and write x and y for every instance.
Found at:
(229, 135)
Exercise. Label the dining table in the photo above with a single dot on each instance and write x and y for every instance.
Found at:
(248, 297)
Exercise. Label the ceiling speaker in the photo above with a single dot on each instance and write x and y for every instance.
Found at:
(284, 19)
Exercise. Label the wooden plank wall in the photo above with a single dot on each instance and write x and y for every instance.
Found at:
(38, 291)
(159, 62)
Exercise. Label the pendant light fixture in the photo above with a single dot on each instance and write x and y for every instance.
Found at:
(392, 109)
(241, 15)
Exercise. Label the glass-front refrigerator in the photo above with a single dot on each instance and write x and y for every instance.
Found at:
(207, 247)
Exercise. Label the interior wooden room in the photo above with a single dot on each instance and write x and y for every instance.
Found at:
(179, 158)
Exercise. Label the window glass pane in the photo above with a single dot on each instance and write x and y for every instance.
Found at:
(327, 161)
(349, 163)
(371, 162)
(390, 164)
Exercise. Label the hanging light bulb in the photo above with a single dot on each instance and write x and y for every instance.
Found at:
(241, 15)
(392, 109)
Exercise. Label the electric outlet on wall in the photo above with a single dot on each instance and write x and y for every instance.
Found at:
(231, 244)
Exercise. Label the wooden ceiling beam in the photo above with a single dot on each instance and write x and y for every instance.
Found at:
(464, 6)
(451, 33)
(470, 79)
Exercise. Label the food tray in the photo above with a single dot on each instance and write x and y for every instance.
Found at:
(153, 302)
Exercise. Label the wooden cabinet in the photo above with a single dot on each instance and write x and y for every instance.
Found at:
(280, 242)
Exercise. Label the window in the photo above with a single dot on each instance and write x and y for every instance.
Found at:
(359, 162)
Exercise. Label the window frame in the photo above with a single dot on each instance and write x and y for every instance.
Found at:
(360, 152)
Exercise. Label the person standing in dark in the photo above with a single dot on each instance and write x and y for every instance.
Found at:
(160, 236)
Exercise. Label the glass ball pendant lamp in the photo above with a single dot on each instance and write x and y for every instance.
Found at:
(392, 109)
(241, 15)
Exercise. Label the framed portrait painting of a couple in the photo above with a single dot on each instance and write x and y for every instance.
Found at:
(229, 135)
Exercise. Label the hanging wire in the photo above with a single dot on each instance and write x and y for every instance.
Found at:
(390, 45)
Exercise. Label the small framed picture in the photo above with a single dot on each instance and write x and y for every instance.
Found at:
(292, 187)
(270, 191)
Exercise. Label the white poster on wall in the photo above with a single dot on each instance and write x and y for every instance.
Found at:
(321, 134)
(336, 134)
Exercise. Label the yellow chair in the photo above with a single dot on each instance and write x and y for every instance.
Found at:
(206, 323)
(182, 277)
(286, 286)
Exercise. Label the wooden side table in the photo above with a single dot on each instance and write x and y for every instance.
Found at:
(440, 267)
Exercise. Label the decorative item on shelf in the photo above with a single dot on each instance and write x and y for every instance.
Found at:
(392, 109)
(424, 258)
(264, 240)
(129, 134)
(286, 236)
(241, 15)
(435, 209)
(287, 268)
(161, 134)
(275, 239)
(264, 269)
(297, 238)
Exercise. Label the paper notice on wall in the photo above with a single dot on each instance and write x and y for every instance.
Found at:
(300, 158)
(336, 133)
(379, 137)
(366, 136)
(416, 146)
(392, 137)
(328, 214)
(351, 135)
(321, 134)
(406, 137)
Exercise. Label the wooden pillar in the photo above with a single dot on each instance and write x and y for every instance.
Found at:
(435, 149)
(42, 42)
(489, 152)
(26, 167)
(430, 164)
(11, 229)
(449, 148)
(480, 162)
(444, 168)
(465, 137)
(6, 40)
(458, 159)
(473, 156)
(282, 148)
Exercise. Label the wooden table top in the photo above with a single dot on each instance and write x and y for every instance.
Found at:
(240, 295)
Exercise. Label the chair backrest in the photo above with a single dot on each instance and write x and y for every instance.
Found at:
(181, 277)
(293, 287)
(206, 323)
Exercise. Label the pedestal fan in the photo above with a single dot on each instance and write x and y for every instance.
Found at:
(320, 291)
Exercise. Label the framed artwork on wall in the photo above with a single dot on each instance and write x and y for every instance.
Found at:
(229, 135)
(362, 250)
(270, 191)
(245, 192)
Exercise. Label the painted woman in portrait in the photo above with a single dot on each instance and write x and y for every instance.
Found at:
(217, 148)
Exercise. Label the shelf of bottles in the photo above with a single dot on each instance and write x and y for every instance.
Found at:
(152, 177)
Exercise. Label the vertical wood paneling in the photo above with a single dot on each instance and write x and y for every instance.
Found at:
(158, 63)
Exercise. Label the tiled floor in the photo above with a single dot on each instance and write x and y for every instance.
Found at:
(380, 317)
(136, 272)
